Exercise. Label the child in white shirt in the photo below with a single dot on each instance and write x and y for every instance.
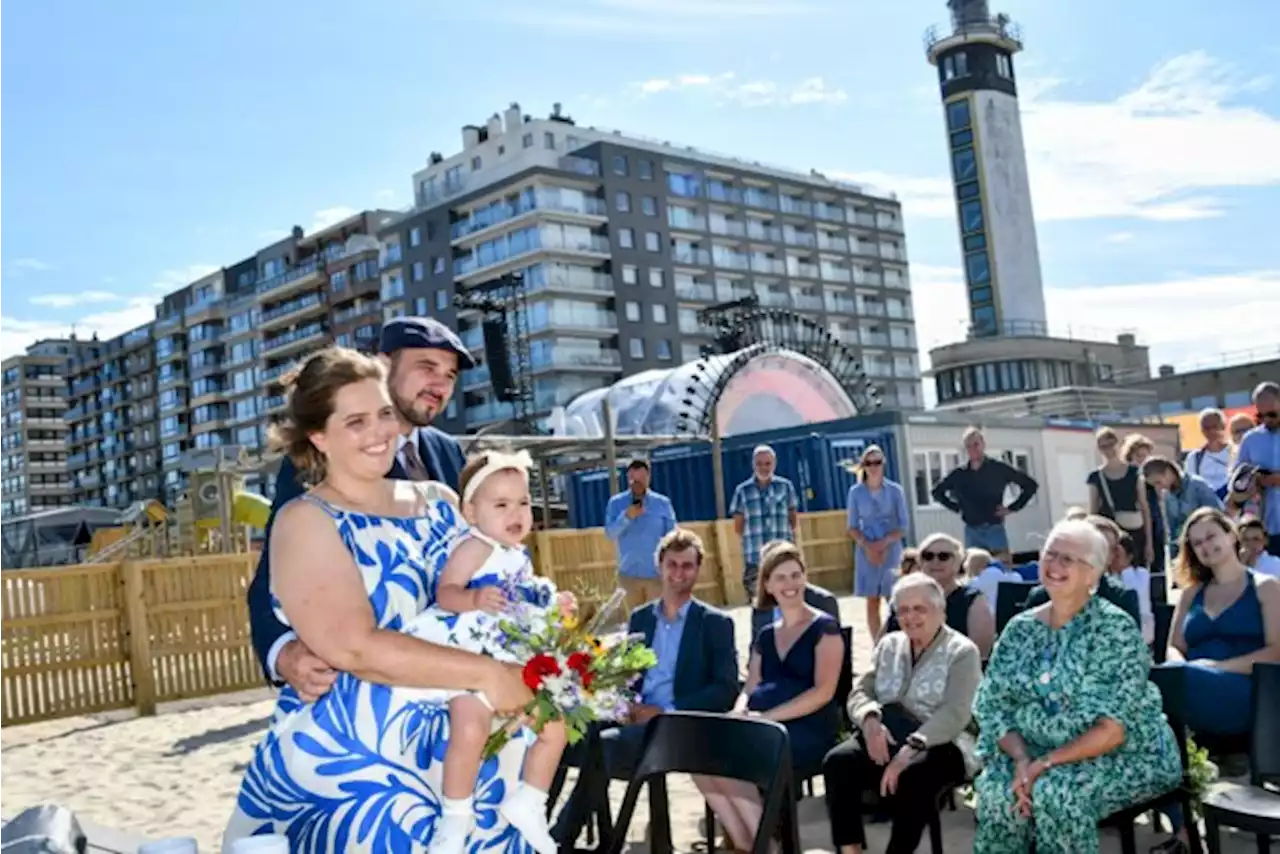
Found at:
(985, 574)
(1253, 547)
(1138, 579)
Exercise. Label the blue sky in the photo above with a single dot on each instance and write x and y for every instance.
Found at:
(148, 142)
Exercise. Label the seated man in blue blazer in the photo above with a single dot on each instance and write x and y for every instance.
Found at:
(697, 670)
(423, 357)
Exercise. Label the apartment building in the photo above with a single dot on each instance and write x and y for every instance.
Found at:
(112, 448)
(621, 240)
(33, 469)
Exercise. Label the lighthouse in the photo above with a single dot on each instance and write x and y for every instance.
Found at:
(979, 91)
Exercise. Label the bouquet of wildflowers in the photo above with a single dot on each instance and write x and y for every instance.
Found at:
(576, 675)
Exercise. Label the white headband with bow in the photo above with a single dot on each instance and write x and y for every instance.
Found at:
(497, 461)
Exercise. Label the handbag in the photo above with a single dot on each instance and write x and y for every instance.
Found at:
(1130, 520)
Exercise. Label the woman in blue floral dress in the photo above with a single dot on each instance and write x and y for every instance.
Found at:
(1071, 727)
(353, 560)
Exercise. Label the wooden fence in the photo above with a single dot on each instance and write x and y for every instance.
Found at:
(91, 638)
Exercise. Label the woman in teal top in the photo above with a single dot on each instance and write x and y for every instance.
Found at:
(1072, 728)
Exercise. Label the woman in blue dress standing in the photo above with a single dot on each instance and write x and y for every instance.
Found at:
(877, 524)
(353, 560)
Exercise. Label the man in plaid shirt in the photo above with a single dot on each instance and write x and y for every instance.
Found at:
(764, 508)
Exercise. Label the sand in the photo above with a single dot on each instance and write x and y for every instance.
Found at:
(177, 773)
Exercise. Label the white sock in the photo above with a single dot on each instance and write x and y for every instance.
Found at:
(454, 826)
(526, 810)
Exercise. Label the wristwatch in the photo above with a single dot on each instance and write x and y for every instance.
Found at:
(917, 742)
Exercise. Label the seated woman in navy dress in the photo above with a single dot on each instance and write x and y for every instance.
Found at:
(791, 679)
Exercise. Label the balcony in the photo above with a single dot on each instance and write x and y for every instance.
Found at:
(542, 201)
(760, 199)
(275, 372)
(355, 312)
(800, 238)
(831, 243)
(871, 338)
(837, 274)
(697, 291)
(584, 319)
(824, 210)
(758, 231)
(472, 267)
(838, 305)
(691, 255)
(803, 270)
(274, 403)
(718, 192)
(770, 266)
(773, 299)
(678, 220)
(807, 303)
(573, 282)
(554, 359)
(432, 195)
(168, 322)
(731, 260)
(729, 227)
(294, 339)
(294, 309)
(797, 207)
(867, 308)
(308, 273)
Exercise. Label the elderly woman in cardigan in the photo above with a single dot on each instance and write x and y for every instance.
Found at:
(912, 711)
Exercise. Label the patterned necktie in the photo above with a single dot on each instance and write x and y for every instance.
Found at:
(413, 465)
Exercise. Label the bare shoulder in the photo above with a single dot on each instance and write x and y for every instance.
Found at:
(473, 548)
(301, 516)
(1268, 587)
(433, 490)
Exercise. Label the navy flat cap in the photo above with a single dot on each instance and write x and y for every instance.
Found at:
(423, 332)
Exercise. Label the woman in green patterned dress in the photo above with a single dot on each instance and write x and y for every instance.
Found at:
(1071, 726)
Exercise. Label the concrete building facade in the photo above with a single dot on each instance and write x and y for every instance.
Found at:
(33, 468)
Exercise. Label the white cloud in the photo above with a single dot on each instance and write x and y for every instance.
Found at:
(16, 334)
(32, 265)
(172, 280)
(924, 197)
(661, 19)
(1156, 152)
(1120, 237)
(726, 88)
(68, 300)
(330, 216)
(1183, 320)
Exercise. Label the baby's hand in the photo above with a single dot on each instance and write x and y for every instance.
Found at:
(488, 599)
(567, 602)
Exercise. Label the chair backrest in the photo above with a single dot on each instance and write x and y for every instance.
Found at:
(1011, 598)
(1163, 627)
(1264, 754)
(1170, 679)
(1159, 588)
(1129, 602)
(749, 749)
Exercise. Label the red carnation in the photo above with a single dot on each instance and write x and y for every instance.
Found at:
(538, 668)
(580, 662)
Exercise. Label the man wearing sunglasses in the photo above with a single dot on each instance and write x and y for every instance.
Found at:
(1261, 447)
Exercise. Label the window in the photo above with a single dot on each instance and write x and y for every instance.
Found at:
(958, 114)
(644, 169)
(1004, 66)
(974, 242)
(962, 64)
(420, 306)
(633, 311)
(637, 348)
(657, 278)
(1021, 460)
(653, 241)
(475, 163)
(965, 165)
(626, 238)
(984, 320)
(930, 467)
(415, 236)
(980, 295)
(971, 216)
(649, 204)
(437, 264)
(526, 141)
(619, 164)
(978, 269)
(622, 201)
(664, 349)
(960, 139)
(630, 274)
(549, 140)
(419, 271)
(967, 190)
(442, 300)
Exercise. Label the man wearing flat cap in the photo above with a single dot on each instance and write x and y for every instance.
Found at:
(423, 357)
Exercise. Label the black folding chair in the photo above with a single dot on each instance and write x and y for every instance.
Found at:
(1163, 627)
(1159, 589)
(1011, 599)
(1254, 808)
(749, 749)
(1169, 679)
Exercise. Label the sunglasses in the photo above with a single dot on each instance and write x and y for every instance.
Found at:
(943, 556)
(873, 463)
(1267, 416)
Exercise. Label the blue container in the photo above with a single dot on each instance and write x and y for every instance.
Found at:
(808, 457)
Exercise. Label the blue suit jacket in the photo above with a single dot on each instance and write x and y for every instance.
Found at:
(707, 664)
(441, 454)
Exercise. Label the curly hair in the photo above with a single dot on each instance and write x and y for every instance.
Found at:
(312, 389)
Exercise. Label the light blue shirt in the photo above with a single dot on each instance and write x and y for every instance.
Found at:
(1261, 447)
(1193, 493)
(660, 680)
(638, 538)
(875, 514)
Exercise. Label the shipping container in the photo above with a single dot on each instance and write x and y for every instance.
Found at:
(810, 458)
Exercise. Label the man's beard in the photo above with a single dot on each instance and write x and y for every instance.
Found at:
(406, 409)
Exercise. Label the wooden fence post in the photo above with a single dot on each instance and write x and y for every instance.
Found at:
(140, 664)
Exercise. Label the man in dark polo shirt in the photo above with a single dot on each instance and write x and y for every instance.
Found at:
(976, 489)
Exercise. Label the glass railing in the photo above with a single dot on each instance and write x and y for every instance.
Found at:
(729, 227)
(772, 266)
(356, 311)
(828, 243)
(308, 301)
(775, 300)
(866, 277)
(731, 260)
(760, 199)
(796, 206)
(822, 210)
(275, 371)
(688, 255)
(393, 255)
(809, 303)
(771, 233)
(871, 309)
(587, 318)
(873, 339)
(541, 201)
(700, 292)
(288, 276)
(865, 220)
(532, 242)
(840, 306)
(274, 401)
(293, 336)
(902, 340)
(837, 274)
(800, 238)
(804, 271)
(685, 222)
(595, 282)
(899, 312)
(718, 192)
